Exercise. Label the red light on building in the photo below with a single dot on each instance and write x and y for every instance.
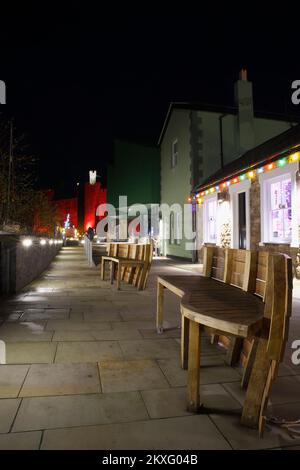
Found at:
(94, 195)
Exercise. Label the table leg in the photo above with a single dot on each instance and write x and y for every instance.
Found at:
(102, 269)
(193, 397)
(160, 308)
(184, 341)
(119, 275)
(112, 272)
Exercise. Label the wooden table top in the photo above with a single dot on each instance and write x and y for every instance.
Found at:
(218, 305)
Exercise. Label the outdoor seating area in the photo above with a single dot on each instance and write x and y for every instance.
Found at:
(86, 369)
(129, 262)
(236, 299)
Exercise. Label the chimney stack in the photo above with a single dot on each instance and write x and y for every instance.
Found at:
(244, 103)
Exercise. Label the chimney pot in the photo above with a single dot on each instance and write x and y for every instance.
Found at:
(243, 75)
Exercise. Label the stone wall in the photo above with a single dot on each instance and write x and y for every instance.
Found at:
(254, 215)
(22, 264)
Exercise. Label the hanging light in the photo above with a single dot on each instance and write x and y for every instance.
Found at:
(282, 162)
(260, 170)
(295, 157)
(251, 174)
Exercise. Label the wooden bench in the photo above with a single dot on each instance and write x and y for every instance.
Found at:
(244, 315)
(230, 266)
(129, 262)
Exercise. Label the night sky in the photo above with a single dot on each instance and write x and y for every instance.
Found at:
(78, 78)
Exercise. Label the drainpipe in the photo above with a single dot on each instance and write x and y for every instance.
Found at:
(221, 139)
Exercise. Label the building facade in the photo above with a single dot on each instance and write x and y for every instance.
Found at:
(254, 202)
(196, 141)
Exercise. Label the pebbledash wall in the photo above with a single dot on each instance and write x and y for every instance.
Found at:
(22, 264)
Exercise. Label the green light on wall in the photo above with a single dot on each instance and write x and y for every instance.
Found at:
(242, 177)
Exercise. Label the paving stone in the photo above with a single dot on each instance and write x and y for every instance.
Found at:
(284, 390)
(88, 351)
(136, 325)
(213, 370)
(117, 376)
(74, 336)
(150, 349)
(45, 314)
(20, 441)
(198, 431)
(79, 410)
(61, 379)
(25, 331)
(11, 380)
(172, 402)
(69, 325)
(30, 353)
(117, 334)
(8, 410)
(242, 438)
(152, 334)
(100, 316)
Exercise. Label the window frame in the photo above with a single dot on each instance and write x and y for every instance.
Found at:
(208, 199)
(265, 180)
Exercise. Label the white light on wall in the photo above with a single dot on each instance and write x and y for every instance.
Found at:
(43, 242)
(93, 176)
(82, 242)
(27, 242)
(51, 242)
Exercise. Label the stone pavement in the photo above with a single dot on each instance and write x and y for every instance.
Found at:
(86, 370)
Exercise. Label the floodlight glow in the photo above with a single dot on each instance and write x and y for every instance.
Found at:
(27, 242)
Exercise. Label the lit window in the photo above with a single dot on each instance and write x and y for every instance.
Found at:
(210, 222)
(280, 210)
(174, 156)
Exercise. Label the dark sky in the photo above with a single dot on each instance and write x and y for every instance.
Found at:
(78, 78)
